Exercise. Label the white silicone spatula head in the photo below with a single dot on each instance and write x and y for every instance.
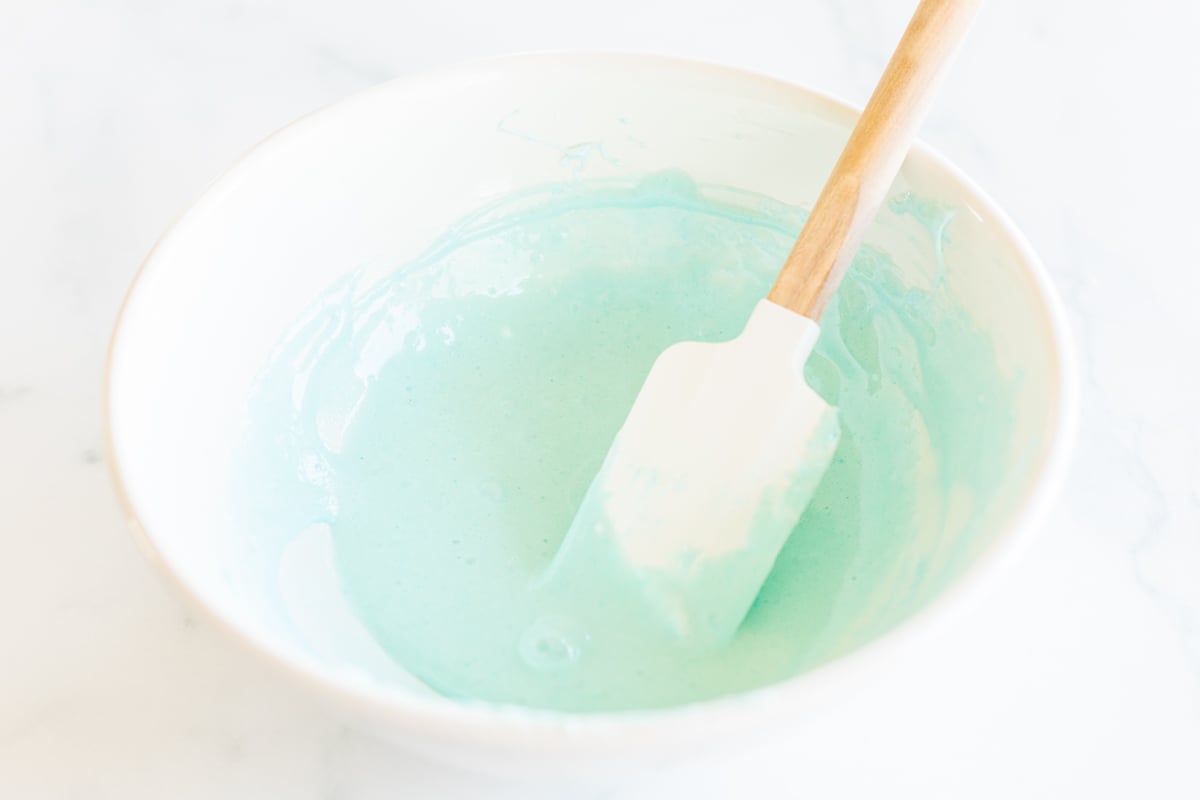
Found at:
(726, 443)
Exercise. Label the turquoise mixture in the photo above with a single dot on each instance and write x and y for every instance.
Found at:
(445, 421)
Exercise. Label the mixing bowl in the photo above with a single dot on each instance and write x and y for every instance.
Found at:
(373, 180)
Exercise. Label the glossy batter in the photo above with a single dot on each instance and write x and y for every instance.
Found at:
(444, 423)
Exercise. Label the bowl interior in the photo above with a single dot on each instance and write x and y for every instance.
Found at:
(375, 179)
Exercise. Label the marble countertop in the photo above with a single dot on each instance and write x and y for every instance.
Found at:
(1079, 676)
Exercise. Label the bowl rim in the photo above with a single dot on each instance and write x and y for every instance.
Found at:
(443, 717)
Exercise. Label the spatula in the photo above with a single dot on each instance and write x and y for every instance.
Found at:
(726, 443)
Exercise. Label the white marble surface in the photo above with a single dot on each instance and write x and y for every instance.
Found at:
(1078, 677)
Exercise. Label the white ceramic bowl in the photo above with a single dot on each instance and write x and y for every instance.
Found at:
(375, 179)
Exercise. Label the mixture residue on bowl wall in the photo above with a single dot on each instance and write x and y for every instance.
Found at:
(442, 424)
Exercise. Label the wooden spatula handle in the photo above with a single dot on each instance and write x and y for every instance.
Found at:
(862, 176)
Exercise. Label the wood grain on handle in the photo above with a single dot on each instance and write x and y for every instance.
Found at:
(862, 176)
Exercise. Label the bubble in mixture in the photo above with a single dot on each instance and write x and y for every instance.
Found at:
(552, 644)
